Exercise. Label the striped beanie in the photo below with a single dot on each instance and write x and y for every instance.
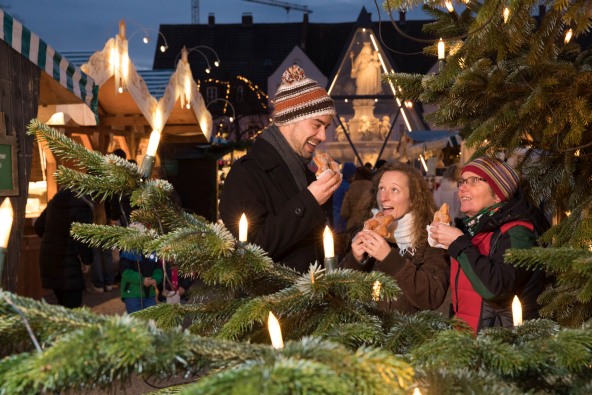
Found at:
(299, 98)
(502, 179)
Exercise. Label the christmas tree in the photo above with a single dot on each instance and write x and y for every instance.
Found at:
(507, 85)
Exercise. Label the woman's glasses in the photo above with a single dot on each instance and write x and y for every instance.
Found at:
(470, 181)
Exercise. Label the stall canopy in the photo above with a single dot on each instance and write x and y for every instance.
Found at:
(431, 140)
(59, 72)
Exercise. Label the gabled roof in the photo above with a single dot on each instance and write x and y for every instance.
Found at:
(255, 50)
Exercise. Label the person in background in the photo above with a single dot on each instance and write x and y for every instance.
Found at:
(62, 259)
(102, 272)
(272, 185)
(447, 192)
(339, 222)
(140, 277)
(358, 199)
(421, 271)
(497, 218)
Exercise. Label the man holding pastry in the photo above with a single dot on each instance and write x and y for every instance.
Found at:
(394, 241)
(272, 184)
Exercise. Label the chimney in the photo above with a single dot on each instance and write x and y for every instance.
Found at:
(211, 19)
(247, 19)
(402, 16)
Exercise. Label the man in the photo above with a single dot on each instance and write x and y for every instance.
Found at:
(273, 186)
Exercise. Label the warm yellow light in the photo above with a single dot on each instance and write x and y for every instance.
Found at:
(163, 48)
(441, 50)
(328, 243)
(568, 36)
(423, 163)
(6, 218)
(208, 70)
(275, 332)
(153, 143)
(449, 6)
(376, 290)
(517, 311)
(506, 14)
(120, 89)
(408, 103)
(217, 63)
(243, 226)
(146, 39)
(416, 391)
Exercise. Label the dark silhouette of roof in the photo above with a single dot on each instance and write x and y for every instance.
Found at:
(255, 51)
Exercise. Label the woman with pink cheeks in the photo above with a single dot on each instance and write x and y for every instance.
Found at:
(497, 218)
(421, 271)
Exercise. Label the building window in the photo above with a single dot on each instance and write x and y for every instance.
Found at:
(240, 94)
(211, 93)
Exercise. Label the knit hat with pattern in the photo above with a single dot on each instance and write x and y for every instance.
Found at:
(299, 98)
(502, 178)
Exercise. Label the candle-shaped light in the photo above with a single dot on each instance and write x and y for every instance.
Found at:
(328, 243)
(6, 218)
(329, 249)
(416, 391)
(506, 14)
(517, 311)
(243, 227)
(568, 36)
(449, 6)
(275, 332)
(153, 143)
(376, 291)
(441, 50)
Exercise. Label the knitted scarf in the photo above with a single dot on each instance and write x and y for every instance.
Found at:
(473, 222)
(295, 162)
(404, 234)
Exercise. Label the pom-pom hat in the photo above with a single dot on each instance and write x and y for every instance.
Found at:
(299, 98)
(502, 178)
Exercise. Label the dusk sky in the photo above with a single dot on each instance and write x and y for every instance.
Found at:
(72, 25)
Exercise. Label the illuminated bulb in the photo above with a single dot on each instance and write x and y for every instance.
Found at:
(6, 218)
(568, 36)
(441, 50)
(376, 291)
(231, 119)
(153, 143)
(506, 14)
(208, 70)
(375, 100)
(346, 100)
(146, 39)
(243, 227)
(188, 106)
(328, 244)
(162, 48)
(275, 332)
(423, 163)
(408, 103)
(449, 6)
(416, 391)
(517, 311)
(120, 90)
(217, 63)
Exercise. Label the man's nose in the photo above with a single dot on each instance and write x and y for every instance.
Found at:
(322, 134)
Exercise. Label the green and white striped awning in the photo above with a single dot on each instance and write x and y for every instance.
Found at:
(43, 55)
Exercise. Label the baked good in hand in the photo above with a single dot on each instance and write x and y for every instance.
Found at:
(324, 162)
(442, 215)
(380, 223)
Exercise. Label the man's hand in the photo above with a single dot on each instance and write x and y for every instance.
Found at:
(325, 186)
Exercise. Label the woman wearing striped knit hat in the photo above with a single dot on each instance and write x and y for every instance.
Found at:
(284, 203)
(497, 218)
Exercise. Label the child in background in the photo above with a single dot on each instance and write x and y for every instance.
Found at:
(140, 277)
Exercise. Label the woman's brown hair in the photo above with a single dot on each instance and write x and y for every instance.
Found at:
(422, 199)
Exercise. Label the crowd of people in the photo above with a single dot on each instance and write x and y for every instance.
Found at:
(458, 263)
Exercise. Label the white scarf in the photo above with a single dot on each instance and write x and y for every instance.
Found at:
(403, 234)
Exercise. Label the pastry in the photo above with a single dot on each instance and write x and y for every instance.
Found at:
(442, 215)
(379, 223)
(324, 162)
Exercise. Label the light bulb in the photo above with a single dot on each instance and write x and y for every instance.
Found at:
(146, 39)
(208, 70)
(506, 14)
(231, 119)
(568, 36)
(120, 90)
(163, 48)
(449, 6)
(217, 63)
(441, 50)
